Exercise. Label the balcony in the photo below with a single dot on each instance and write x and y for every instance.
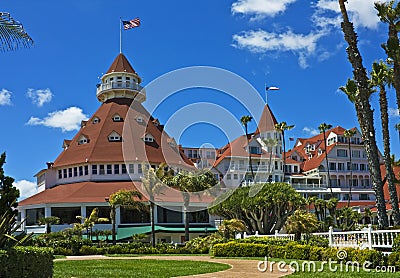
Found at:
(256, 168)
(123, 85)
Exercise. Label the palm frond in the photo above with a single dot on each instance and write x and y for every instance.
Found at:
(12, 34)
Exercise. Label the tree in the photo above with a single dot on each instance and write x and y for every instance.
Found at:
(266, 212)
(8, 193)
(48, 221)
(189, 184)
(282, 127)
(270, 143)
(125, 198)
(397, 127)
(245, 120)
(381, 77)
(349, 133)
(152, 185)
(229, 228)
(322, 129)
(88, 222)
(389, 13)
(12, 34)
(301, 222)
(364, 112)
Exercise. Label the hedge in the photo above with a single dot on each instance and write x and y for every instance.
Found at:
(296, 251)
(21, 262)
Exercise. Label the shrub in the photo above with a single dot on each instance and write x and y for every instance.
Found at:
(234, 249)
(297, 251)
(89, 250)
(62, 251)
(361, 256)
(396, 244)
(394, 259)
(316, 253)
(316, 241)
(27, 262)
(265, 240)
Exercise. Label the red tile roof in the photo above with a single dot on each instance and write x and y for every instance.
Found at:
(396, 170)
(121, 64)
(99, 149)
(96, 192)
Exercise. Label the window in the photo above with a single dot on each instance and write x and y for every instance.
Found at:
(341, 166)
(364, 197)
(134, 216)
(94, 169)
(131, 169)
(254, 150)
(362, 167)
(140, 168)
(33, 216)
(123, 169)
(109, 169)
(65, 173)
(332, 166)
(70, 172)
(341, 153)
(114, 137)
(101, 170)
(117, 118)
(355, 153)
(116, 169)
(139, 119)
(59, 174)
(95, 120)
(201, 216)
(228, 176)
(67, 215)
(80, 170)
(86, 170)
(355, 166)
(82, 140)
(148, 138)
(75, 171)
(296, 169)
(235, 176)
(165, 215)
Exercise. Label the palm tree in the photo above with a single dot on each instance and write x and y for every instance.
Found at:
(245, 120)
(323, 128)
(389, 13)
(349, 133)
(12, 34)
(125, 198)
(282, 127)
(229, 228)
(270, 143)
(301, 222)
(48, 221)
(364, 112)
(188, 184)
(397, 127)
(88, 222)
(152, 185)
(381, 76)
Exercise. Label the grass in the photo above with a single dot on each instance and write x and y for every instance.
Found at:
(132, 268)
(141, 255)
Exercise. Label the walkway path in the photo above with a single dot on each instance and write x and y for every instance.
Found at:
(239, 268)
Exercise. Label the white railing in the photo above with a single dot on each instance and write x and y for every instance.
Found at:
(118, 85)
(366, 238)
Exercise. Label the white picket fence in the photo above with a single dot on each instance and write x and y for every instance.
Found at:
(366, 238)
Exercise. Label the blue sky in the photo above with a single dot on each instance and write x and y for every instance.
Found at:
(296, 45)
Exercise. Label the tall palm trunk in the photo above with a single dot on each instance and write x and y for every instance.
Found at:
(153, 232)
(284, 154)
(248, 142)
(391, 178)
(351, 172)
(186, 200)
(327, 165)
(364, 113)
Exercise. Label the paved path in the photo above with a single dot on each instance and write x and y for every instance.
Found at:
(239, 268)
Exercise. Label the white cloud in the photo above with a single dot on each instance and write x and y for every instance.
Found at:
(260, 8)
(26, 188)
(68, 119)
(261, 41)
(5, 97)
(310, 131)
(393, 112)
(361, 12)
(40, 97)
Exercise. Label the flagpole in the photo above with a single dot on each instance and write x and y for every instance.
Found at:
(120, 35)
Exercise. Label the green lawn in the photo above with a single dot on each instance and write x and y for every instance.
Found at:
(132, 268)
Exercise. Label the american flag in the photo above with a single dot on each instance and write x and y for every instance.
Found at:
(128, 24)
(271, 88)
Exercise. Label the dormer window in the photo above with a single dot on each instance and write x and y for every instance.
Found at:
(95, 120)
(148, 138)
(82, 140)
(117, 118)
(114, 137)
(139, 119)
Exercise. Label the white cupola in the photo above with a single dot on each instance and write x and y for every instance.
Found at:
(120, 81)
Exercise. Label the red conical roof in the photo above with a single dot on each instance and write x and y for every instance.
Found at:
(267, 121)
(121, 64)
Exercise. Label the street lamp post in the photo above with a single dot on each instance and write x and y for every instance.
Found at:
(112, 215)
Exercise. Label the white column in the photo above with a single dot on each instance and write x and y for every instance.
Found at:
(83, 211)
(118, 216)
(47, 211)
